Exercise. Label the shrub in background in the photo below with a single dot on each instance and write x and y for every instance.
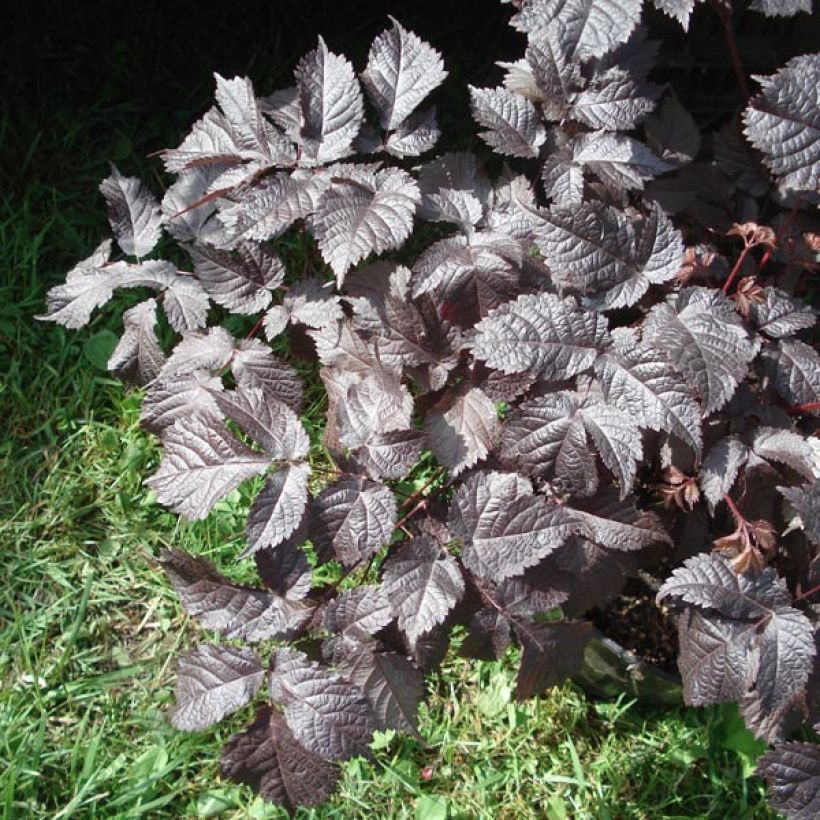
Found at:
(598, 369)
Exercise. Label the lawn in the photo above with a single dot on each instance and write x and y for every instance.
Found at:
(89, 624)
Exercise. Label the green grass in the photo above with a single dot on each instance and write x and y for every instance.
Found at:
(89, 629)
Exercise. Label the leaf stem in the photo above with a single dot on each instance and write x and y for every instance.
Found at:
(728, 283)
(725, 13)
(804, 408)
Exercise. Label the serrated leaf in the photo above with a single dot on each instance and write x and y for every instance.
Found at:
(620, 162)
(710, 582)
(781, 8)
(138, 356)
(672, 132)
(806, 500)
(214, 681)
(503, 527)
(680, 10)
(199, 350)
(242, 283)
(705, 340)
(786, 657)
(208, 595)
(358, 613)
(718, 660)
(269, 759)
(401, 71)
(721, 467)
(285, 569)
(616, 524)
(278, 508)
(378, 403)
(463, 427)
(417, 134)
(201, 463)
(331, 102)
(547, 438)
(783, 122)
(611, 102)
(601, 24)
(391, 455)
(270, 423)
(393, 685)
(352, 519)
(169, 399)
(133, 213)
(552, 653)
(541, 334)
(792, 771)
(311, 302)
(781, 315)
(185, 304)
(270, 207)
(422, 585)
(186, 210)
(794, 369)
(327, 715)
(600, 253)
(256, 368)
(643, 384)
(368, 213)
(236, 611)
(512, 122)
(785, 447)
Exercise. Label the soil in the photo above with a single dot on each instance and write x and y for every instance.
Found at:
(637, 623)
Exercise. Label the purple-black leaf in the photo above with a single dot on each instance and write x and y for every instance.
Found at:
(329, 716)
(278, 508)
(422, 584)
(352, 519)
(783, 122)
(133, 213)
(463, 427)
(541, 334)
(138, 356)
(552, 652)
(792, 771)
(214, 681)
(401, 71)
(201, 463)
(269, 759)
(503, 527)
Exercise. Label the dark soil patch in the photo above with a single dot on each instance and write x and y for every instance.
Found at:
(637, 623)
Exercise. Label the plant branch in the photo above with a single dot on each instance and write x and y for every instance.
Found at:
(725, 13)
(736, 269)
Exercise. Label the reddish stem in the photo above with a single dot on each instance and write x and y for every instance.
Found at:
(808, 593)
(725, 14)
(736, 513)
(780, 234)
(728, 283)
(804, 408)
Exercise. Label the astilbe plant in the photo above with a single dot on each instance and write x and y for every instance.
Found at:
(599, 367)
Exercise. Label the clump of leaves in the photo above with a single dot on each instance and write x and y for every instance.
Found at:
(601, 369)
